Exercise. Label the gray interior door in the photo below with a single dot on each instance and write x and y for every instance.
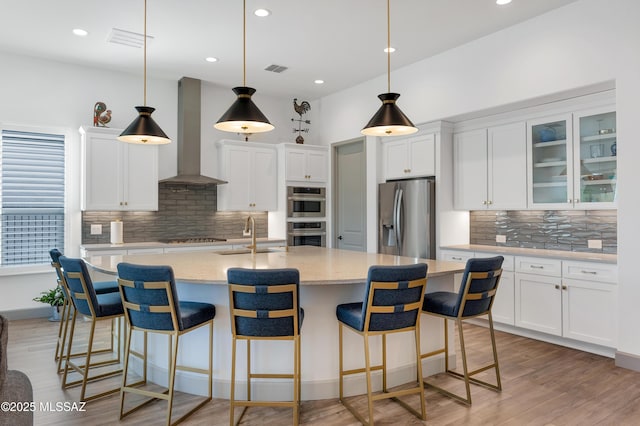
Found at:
(350, 197)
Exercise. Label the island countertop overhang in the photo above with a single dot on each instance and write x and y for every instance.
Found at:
(317, 265)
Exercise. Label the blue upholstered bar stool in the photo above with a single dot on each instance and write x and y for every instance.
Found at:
(151, 305)
(474, 299)
(95, 307)
(264, 305)
(65, 317)
(392, 302)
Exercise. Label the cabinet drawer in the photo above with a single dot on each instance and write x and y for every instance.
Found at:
(507, 265)
(456, 256)
(590, 271)
(539, 266)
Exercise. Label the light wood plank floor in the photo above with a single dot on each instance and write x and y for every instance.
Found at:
(543, 384)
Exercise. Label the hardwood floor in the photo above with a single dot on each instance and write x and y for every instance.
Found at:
(543, 384)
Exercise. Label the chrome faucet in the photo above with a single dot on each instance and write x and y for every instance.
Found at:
(250, 225)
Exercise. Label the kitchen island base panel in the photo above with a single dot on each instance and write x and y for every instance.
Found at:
(319, 339)
(328, 277)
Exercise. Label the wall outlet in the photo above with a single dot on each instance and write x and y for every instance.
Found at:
(594, 244)
(246, 233)
(96, 229)
(501, 238)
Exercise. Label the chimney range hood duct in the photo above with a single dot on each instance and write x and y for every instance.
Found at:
(189, 136)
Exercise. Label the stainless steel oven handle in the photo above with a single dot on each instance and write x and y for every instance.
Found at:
(305, 198)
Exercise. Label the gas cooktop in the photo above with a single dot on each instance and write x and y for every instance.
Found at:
(191, 240)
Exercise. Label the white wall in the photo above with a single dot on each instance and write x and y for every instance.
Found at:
(584, 43)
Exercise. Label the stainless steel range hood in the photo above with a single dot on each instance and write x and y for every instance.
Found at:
(189, 136)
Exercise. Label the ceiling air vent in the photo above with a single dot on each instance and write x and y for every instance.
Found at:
(127, 38)
(276, 68)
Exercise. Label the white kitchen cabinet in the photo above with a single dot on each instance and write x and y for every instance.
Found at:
(503, 304)
(573, 160)
(490, 168)
(538, 303)
(251, 172)
(117, 175)
(306, 163)
(503, 309)
(409, 158)
(589, 304)
(538, 294)
(577, 300)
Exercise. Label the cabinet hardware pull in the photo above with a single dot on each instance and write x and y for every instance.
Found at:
(568, 201)
(557, 287)
(577, 200)
(489, 202)
(484, 202)
(456, 258)
(564, 287)
(589, 272)
(536, 267)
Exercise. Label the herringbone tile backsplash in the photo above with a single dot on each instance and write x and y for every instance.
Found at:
(550, 229)
(183, 211)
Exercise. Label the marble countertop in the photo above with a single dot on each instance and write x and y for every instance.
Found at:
(519, 251)
(158, 244)
(317, 265)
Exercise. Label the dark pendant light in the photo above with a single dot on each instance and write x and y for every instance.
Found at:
(144, 130)
(243, 116)
(389, 120)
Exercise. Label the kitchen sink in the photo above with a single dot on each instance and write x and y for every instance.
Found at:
(248, 251)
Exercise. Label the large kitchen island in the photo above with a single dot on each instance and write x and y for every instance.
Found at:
(328, 277)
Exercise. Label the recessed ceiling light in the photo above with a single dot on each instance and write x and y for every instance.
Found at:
(503, 2)
(262, 12)
(80, 32)
(211, 59)
(389, 49)
(318, 81)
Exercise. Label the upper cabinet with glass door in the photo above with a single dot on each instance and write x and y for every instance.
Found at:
(573, 160)
(550, 173)
(596, 137)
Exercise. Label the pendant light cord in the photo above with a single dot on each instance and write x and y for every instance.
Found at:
(145, 53)
(244, 42)
(388, 48)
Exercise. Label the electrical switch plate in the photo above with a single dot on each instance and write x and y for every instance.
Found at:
(501, 238)
(246, 234)
(594, 244)
(96, 229)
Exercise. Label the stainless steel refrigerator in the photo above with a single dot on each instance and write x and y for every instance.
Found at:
(406, 218)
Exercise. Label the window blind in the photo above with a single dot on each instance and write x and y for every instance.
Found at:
(32, 193)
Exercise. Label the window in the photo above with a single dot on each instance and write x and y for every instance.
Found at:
(32, 197)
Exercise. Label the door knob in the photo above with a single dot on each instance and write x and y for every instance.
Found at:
(339, 237)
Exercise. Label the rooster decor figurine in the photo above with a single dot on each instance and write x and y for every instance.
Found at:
(101, 115)
(301, 109)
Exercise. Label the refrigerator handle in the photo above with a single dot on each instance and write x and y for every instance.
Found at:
(398, 221)
(394, 225)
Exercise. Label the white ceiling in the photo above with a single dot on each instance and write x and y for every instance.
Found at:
(339, 41)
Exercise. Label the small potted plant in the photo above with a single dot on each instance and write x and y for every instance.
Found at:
(55, 298)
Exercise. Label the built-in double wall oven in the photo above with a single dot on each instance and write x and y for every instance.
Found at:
(306, 201)
(306, 234)
(306, 210)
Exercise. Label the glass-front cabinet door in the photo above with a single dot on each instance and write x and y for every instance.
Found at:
(550, 171)
(597, 155)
